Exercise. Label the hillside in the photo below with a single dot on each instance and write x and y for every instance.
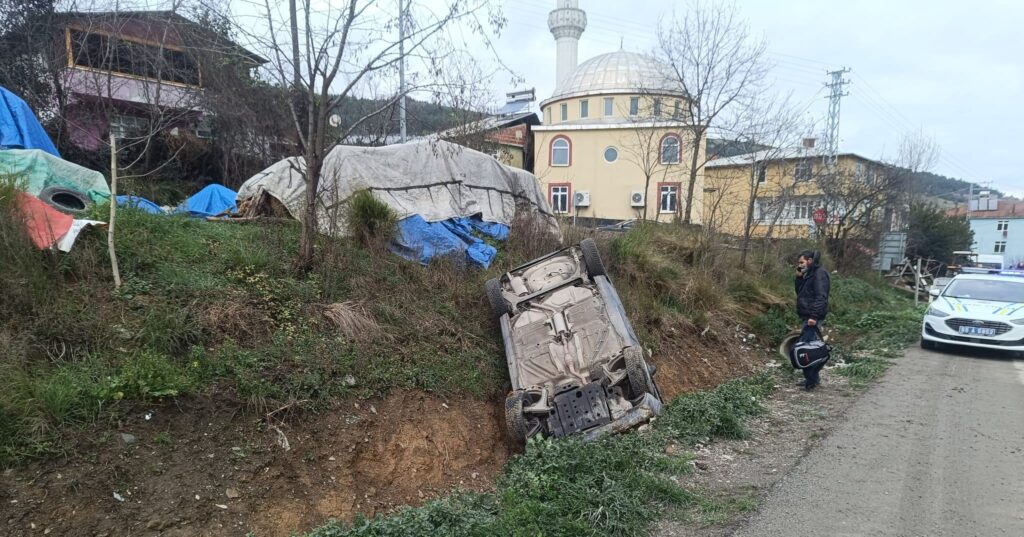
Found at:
(947, 188)
(366, 385)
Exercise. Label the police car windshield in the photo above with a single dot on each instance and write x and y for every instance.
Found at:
(995, 290)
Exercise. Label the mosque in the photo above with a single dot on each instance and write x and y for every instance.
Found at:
(613, 124)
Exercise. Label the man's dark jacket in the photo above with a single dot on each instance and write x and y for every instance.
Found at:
(812, 294)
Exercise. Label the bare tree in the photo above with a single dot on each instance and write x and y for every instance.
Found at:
(641, 144)
(721, 67)
(330, 52)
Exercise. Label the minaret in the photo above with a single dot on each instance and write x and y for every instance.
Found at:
(566, 22)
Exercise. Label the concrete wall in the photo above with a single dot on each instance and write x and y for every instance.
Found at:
(987, 233)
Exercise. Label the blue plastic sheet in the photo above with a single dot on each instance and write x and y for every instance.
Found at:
(210, 201)
(141, 204)
(19, 128)
(422, 241)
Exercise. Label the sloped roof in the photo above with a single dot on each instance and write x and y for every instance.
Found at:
(1004, 209)
(788, 153)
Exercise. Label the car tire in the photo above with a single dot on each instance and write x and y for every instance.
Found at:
(592, 258)
(498, 303)
(514, 417)
(65, 199)
(928, 345)
(637, 374)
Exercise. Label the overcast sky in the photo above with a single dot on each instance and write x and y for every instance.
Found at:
(950, 68)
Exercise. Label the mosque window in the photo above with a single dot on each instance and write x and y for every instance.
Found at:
(657, 107)
(609, 103)
(634, 106)
(668, 197)
(584, 108)
(565, 112)
(670, 149)
(611, 154)
(561, 152)
(559, 194)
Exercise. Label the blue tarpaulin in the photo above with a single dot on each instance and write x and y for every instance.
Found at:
(422, 241)
(210, 201)
(19, 128)
(141, 204)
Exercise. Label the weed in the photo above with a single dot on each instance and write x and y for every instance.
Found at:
(370, 220)
(163, 438)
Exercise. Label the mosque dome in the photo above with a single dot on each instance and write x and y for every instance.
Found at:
(618, 72)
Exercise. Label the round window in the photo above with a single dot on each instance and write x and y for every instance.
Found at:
(611, 154)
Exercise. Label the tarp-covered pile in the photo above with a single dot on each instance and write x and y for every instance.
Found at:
(19, 128)
(434, 180)
(37, 171)
(212, 200)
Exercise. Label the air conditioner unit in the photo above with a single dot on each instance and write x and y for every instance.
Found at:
(636, 198)
(581, 199)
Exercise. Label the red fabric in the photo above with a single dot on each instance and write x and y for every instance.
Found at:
(45, 225)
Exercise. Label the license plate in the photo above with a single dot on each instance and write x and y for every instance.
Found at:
(977, 331)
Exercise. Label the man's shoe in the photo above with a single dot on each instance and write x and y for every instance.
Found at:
(810, 386)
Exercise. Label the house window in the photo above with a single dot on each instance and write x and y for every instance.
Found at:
(670, 149)
(560, 198)
(123, 127)
(762, 172)
(634, 106)
(1003, 225)
(1000, 247)
(584, 108)
(611, 154)
(668, 197)
(802, 170)
(565, 112)
(657, 107)
(561, 152)
(609, 104)
(760, 210)
(802, 210)
(99, 51)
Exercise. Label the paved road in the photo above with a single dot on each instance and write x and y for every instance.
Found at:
(935, 449)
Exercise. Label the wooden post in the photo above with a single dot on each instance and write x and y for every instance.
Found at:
(113, 212)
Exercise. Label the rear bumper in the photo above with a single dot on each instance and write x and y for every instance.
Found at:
(936, 331)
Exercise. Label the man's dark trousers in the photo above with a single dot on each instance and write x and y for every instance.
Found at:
(811, 374)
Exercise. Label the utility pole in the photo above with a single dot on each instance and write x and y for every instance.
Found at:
(402, 13)
(836, 94)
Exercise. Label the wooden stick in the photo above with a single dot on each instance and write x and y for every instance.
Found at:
(113, 212)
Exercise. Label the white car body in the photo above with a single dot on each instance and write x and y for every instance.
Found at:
(977, 310)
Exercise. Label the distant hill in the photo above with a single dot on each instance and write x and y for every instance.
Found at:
(421, 117)
(947, 188)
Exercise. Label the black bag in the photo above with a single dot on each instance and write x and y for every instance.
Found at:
(810, 354)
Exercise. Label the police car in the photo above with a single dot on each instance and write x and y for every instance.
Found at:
(977, 310)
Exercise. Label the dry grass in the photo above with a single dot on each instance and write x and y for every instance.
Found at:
(354, 322)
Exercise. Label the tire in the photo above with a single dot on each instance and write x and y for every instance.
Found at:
(592, 258)
(65, 199)
(928, 345)
(514, 418)
(499, 306)
(637, 374)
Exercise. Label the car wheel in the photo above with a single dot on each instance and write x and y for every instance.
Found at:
(498, 303)
(514, 417)
(639, 377)
(592, 258)
(928, 345)
(65, 199)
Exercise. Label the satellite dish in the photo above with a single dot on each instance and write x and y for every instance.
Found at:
(334, 120)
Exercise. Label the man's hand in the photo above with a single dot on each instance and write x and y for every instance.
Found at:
(811, 322)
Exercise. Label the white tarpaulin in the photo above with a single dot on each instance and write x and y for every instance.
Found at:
(434, 179)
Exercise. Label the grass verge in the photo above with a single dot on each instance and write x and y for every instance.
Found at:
(619, 485)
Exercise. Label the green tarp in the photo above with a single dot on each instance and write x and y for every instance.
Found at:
(36, 170)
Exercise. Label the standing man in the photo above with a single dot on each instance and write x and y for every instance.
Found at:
(812, 286)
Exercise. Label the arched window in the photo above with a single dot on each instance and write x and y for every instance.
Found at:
(561, 152)
(670, 149)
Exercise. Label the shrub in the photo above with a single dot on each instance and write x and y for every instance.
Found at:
(370, 220)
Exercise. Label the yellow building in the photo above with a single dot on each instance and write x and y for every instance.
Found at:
(787, 189)
(614, 139)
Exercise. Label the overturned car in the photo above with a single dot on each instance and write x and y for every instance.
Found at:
(575, 362)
